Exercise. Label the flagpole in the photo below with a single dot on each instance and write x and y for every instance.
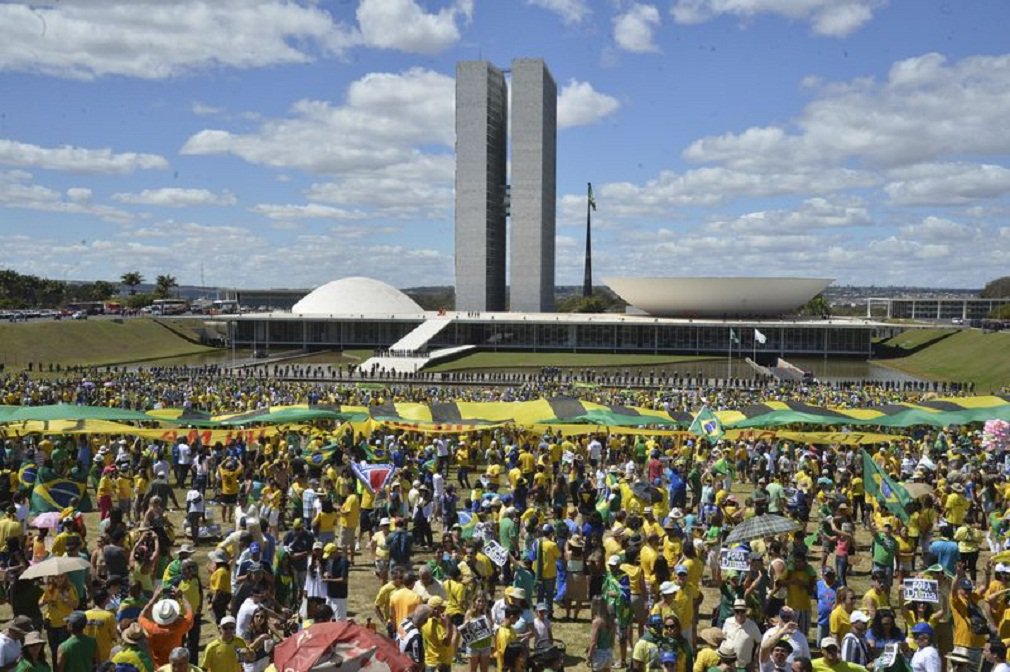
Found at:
(754, 354)
(729, 355)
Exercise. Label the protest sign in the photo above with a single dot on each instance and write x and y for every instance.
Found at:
(921, 590)
(735, 558)
(476, 633)
(888, 657)
(496, 552)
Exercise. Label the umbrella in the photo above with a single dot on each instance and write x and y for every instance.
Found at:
(917, 490)
(646, 492)
(343, 646)
(49, 520)
(55, 566)
(761, 526)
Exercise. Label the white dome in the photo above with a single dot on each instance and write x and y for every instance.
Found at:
(356, 296)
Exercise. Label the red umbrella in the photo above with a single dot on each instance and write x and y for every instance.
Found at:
(346, 645)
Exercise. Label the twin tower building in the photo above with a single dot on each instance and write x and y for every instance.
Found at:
(486, 197)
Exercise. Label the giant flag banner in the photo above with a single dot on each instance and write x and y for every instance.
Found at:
(56, 495)
(878, 484)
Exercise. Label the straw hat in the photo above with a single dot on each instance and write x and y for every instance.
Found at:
(133, 634)
(712, 636)
(959, 655)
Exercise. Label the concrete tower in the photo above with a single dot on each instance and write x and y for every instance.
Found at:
(533, 190)
(481, 154)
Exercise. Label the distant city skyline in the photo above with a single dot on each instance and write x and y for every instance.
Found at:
(857, 139)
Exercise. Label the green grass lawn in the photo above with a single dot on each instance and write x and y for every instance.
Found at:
(969, 355)
(90, 342)
(515, 360)
(913, 338)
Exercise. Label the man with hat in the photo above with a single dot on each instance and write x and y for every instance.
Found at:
(960, 660)
(617, 595)
(707, 656)
(174, 569)
(224, 653)
(831, 659)
(13, 636)
(336, 572)
(166, 622)
(298, 541)
(971, 616)
(855, 648)
(742, 633)
(438, 633)
(78, 652)
(134, 650)
(645, 654)
(727, 658)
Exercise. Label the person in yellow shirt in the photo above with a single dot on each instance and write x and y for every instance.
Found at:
(455, 595)
(106, 489)
(59, 598)
(545, 567)
(505, 635)
(101, 624)
(438, 633)
(877, 596)
(955, 506)
(229, 473)
(350, 518)
(226, 652)
(325, 522)
(220, 585)
(839, 622)
(124, 493)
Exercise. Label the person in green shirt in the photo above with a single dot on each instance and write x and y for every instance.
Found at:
(77, 653)
(885, 547)
(508, 531)
(33, 657)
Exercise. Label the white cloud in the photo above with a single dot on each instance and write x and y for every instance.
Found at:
(833, 18)
(907, 119)
(570, 11)
(812, 215)
(580, 105)
(307, 211)
(203, 110)
(633, 29)
(150, 39)
(403, 25)
(177, 198)
(18, 191)
(947, 183)
(76, 159)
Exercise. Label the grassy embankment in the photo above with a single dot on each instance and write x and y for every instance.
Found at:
(90, 342)
(954, 355)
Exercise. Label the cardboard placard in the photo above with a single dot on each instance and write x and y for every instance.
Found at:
(477, 631)
(921, 590)
(735, 558)
(888, 657)
(496, 552)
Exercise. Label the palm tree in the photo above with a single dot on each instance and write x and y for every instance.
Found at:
(131, 280)
(163, 285)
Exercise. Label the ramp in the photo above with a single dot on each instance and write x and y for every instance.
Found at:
(401, 365)
(421, 335)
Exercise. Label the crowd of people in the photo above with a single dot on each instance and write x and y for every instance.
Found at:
(482, 541)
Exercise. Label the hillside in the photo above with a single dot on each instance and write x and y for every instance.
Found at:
(967, 355)
(92, 341)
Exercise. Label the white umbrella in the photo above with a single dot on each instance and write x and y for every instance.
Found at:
(54, 567)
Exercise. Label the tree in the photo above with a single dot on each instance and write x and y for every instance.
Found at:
(100, 290)
(817, 307)
(997, 289)
(131, 280)
(163, 285)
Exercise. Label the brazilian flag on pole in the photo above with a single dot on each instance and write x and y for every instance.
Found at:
(881, 486)
(706, 424)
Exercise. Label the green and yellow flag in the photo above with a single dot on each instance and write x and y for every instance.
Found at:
(706, 424)
(878, 484)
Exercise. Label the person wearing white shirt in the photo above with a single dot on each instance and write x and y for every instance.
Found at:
(742, 634)
(926, 657)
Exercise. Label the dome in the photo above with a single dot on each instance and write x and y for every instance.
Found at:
(356, 296)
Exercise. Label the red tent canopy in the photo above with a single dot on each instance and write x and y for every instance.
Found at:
(339, 641)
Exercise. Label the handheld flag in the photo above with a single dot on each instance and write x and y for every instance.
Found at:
(706, 424)
(467, 523)
(733, 337)
(759, 337)
(878, 484)
(592, 201)
(373, 476)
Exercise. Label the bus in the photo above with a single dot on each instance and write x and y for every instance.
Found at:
(169, 306)
(224, 307)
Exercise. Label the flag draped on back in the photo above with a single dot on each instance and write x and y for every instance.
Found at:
(706, 424)
(881, 486)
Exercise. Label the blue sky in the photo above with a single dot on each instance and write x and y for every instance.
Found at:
(284, 144)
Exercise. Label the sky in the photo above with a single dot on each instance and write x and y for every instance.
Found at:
(271, 143)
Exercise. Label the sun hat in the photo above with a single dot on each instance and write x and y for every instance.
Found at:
(186, 549)
(739, 603)
(165, 612)
(828, 642)
(959, 655)
(34, 637)
(317, 546)
(518, 593)
(134, 634)
(668, 588)
(228, 620)
(712, 636)
(726, 651)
